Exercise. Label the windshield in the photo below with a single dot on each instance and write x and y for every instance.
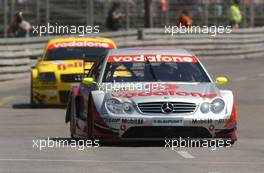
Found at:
(154, 72)
(71, 53)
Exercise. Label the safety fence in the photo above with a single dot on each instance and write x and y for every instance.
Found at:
(17, 55)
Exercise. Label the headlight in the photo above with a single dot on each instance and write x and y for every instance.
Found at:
(117, 107)
(217, 106)
(47, 77)
(205, 107)
(114, 106)
(128, 107)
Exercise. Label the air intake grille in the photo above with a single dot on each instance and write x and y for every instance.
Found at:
(156, 107)
(71, 77)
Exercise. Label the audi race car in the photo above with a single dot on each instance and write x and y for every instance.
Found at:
(144, 94)
(63, 65)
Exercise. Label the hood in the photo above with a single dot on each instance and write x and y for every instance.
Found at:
(159, 92)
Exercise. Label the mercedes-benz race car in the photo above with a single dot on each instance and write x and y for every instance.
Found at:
(151, 94)
(62, 66)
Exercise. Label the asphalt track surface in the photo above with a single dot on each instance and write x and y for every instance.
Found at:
(20, 125)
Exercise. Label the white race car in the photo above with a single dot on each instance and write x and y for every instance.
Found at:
(151, 94)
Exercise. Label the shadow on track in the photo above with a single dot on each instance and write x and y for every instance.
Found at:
(29, 106)
(112, 143)
(134, 143)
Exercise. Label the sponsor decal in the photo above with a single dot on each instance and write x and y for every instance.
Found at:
(80, 44)
(71, 65)
(163, 90)
(124, 120)
(167, 122)
(153, 58)
(202, 121)
(163, 93)
(111, 120)
(132, 121)
(208, 121)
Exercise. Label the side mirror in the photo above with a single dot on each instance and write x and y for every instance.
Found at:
(221, 80)
(88, 81)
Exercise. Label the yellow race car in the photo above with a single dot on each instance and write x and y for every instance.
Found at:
(64, 62)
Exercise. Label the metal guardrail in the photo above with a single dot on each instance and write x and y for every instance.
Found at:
(17, 55)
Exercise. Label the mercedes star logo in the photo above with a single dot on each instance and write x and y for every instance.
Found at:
(167, 108)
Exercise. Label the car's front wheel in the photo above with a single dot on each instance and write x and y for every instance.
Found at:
(72, 119)
(32, 102)
(90, 120)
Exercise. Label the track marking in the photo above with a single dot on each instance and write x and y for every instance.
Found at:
(214, 172)
(185, 154)
(135, 161)
(9, 99)
(260, 75)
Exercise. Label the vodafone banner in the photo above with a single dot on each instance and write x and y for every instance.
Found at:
(152, 58)
(80, 44)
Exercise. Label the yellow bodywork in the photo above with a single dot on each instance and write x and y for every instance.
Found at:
(55, 93)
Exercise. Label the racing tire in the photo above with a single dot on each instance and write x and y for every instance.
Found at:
(72, 119)
(32, 103)
(90, 120)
